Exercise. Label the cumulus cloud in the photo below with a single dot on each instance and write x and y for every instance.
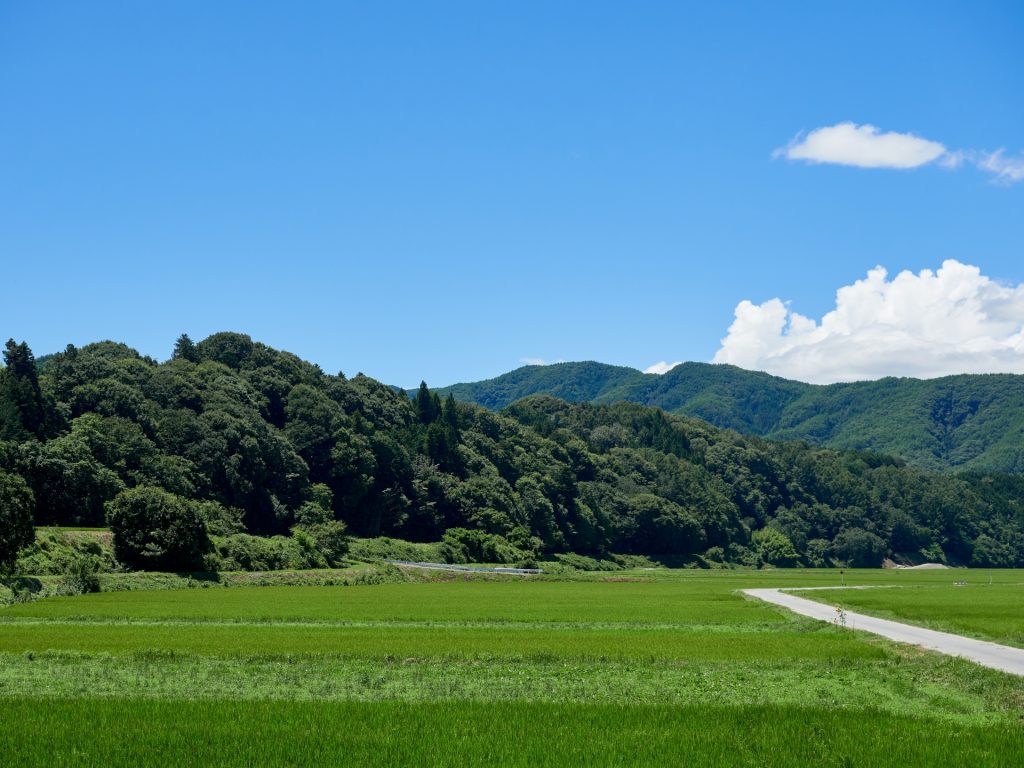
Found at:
(865, 146)
(532, 361)
(930, 324)
(662, 367)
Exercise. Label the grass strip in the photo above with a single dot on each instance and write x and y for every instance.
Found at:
(925, 684)
(457, 642)
(109, 733)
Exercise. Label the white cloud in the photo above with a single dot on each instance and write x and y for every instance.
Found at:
(1006, 169)
(532, 361)
(662, 367)
(953, 320)
(862, 146)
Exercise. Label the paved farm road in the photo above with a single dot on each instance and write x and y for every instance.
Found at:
(993, 655)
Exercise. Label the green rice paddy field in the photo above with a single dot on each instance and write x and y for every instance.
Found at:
(640, 668)
(972, 607)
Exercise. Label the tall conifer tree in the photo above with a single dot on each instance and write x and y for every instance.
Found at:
(21, 400)
(185, 349)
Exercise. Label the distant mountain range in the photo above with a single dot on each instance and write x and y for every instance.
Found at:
(956, 423)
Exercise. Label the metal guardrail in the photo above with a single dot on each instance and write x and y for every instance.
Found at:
(470, 568)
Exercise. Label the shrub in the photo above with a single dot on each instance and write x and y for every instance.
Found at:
(244, 552)
(157, 531)
(83, 576)
(463, 545)
(818, 553)
(329, 538)
(312, 513)
(584, 563)
(16, 531)
(933, 553)
(715, 555)
(775, 548)
(383, 548)
(59, 553)
(743, 555)
(636, 561)
(220, 520)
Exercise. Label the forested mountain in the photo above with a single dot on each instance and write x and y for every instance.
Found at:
(251, 440)
(956, 423)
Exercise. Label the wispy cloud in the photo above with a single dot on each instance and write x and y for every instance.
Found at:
(934, 323)
(532, 361)
(1006, 169)
(865, 146)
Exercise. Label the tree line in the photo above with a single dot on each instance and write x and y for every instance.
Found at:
(232, 439)
(969, 422)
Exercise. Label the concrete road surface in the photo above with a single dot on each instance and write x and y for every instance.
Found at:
(993, 655)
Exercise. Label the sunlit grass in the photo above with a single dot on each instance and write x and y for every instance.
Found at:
(384, 641)
(662, 668)
(992, 612)
(143, 733)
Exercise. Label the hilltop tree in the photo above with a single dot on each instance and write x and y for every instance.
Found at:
(428, 405)
(21, 401)
(185, 349)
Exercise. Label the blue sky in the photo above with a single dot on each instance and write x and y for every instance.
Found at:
(440, 190)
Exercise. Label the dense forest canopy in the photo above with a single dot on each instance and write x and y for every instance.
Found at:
(257, 441)
(955, 423)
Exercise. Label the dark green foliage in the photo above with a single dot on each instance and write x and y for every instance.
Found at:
(318, 529)
(220, 520)
(462, 545)
(21, 400)
(575, 382)
(428, 406)
(655, 524)
(242, 552)
(16, 530)
(329, 539)
(234, 350)
(859, 548)
(775, 548)
(70, 483)
(158, 531)
(384, 548)
(954, 423)
(280, 462)
(185, 349)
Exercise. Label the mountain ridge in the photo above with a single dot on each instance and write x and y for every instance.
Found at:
(963, 422)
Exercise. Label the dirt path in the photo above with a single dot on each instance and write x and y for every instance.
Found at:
(1001, 657)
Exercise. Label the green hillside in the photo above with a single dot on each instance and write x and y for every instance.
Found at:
(233, 454)
(956, 423)
(575, 382)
